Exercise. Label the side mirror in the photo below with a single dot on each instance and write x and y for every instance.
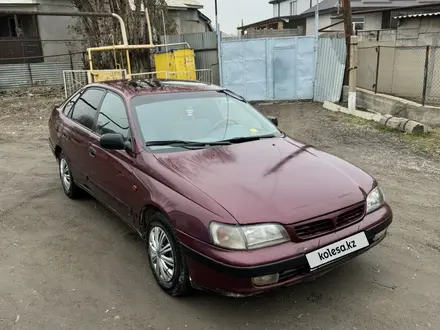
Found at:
(273, 120)
(114, 141)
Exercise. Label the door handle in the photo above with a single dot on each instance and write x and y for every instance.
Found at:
(92, 152)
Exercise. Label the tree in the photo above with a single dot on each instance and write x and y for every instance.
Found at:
(96, 31)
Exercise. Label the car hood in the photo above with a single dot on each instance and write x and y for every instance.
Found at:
(246, 181)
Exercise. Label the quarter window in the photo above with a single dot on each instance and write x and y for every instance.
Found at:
(85, 108)
(113, 117)
(69, 104)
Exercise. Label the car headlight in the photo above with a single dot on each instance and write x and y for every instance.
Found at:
(375, 199)
(247, 237)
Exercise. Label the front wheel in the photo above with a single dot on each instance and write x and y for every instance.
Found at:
(165, 257)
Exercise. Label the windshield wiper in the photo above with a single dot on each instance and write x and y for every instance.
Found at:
(249, 138)
(232, 94)
(186, 144)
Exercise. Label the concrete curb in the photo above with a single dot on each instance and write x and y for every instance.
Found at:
(401, 124)
(395, 106)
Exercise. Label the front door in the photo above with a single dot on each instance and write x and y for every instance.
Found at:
(78, 132)
(112, 173)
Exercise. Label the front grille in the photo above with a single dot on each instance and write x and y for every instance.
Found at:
(314, 228)
(331, 222)
(350, 216)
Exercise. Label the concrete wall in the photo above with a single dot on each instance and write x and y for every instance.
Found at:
(324, 20)
(57, 28)
(373, 21)
(401, 70)
(411, 32)
(51, 27)
(419, 31)
(188, 21)
(377, 35)
(402, 57)
(390, 105)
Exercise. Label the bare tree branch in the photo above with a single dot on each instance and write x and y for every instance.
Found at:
(104, 31)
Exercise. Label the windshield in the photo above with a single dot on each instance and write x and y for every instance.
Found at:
(205, 117)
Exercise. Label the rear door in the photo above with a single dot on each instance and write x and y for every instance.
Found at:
(112, 174)
(78, 131)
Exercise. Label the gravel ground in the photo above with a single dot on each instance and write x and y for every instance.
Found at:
(71, 265)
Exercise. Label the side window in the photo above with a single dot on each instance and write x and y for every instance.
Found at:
(69, 104)
(85, 108)
(113, 117)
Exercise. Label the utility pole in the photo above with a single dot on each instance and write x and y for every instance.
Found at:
(216, 17)
(348, 29)
(352, 80)
(219, 44)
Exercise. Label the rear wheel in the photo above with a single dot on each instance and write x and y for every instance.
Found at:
(165, 257)
(67, 181)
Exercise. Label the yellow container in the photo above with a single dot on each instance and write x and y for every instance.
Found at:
(176, 64)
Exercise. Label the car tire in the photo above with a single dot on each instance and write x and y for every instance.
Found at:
(67, 181)
(165, 257)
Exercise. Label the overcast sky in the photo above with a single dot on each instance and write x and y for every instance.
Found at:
(231, 12)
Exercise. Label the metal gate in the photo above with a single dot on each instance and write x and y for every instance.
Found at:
(269, 69)
(76, 79)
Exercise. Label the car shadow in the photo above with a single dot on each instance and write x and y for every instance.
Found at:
(301, 305)
(345, 283)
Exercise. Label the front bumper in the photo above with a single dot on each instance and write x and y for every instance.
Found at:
(227, 278)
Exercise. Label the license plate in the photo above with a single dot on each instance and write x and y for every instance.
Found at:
(337, 250)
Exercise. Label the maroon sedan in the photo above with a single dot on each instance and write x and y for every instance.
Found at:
(224, 200)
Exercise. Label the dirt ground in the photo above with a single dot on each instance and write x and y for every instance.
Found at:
(71, 265)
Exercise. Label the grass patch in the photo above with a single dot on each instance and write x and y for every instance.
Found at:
(358, 121)
(425, 143)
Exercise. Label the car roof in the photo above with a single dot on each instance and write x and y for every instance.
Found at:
(149, 86)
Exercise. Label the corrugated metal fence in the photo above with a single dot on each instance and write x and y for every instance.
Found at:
(265, 69)
(205, 48)
(330, 70)
(35, 74)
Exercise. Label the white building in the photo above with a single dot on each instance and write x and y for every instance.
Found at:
(299, 15)
(50, 36)
(291, 7)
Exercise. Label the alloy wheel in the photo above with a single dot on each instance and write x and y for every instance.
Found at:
(161, 254)
(65, 175)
